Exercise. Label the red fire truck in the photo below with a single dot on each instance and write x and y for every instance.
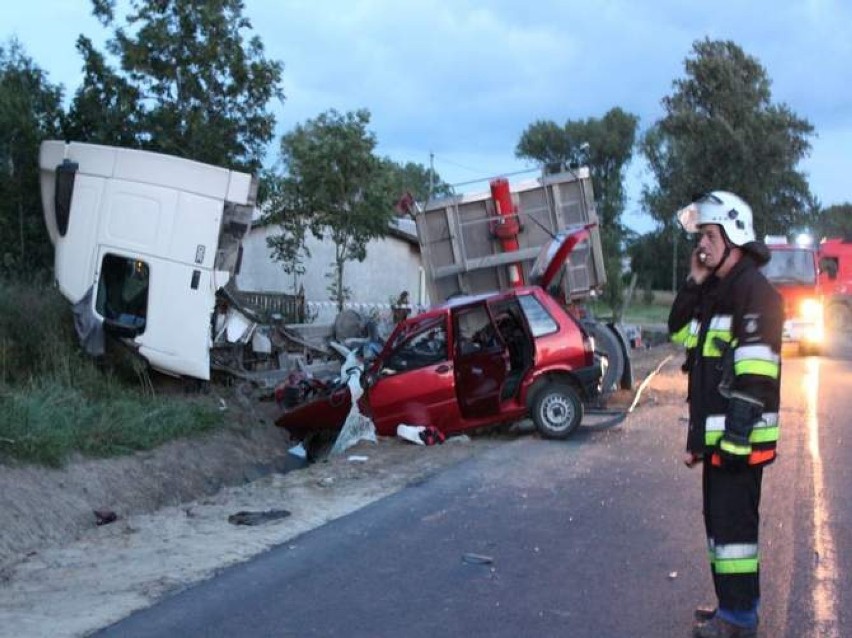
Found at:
(793, 270)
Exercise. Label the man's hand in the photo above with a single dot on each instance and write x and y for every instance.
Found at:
(690, 459)
(698, 269)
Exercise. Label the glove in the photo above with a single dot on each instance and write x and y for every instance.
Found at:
(734, 446)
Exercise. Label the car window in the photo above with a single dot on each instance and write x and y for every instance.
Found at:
(421, 349)
(540, 321)
(474, 330)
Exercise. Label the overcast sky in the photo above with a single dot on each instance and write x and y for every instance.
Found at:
(463, 78)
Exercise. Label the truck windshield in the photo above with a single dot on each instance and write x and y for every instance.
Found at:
(791, 266)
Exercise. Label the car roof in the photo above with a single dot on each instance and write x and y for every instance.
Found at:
(466, 300)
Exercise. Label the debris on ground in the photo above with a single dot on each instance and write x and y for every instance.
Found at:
(257, 518)
(477, 559)
(105, 517)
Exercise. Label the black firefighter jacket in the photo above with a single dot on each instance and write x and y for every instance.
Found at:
(731, 328)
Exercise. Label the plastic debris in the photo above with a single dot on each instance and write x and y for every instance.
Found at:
(357, 458)
(410, 433)
(105, 517)
(477, 559)
(357, 427)
(257, 518)
(299, 451)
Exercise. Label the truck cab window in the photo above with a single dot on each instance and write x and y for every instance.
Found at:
(828, 265)
(123, 293)
(66, 172)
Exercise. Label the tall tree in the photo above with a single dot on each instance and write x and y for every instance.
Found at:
(202, 87)
(30, 111)
(417, 179)
(605, 146)
(722, 131)
(107, 108)
(336, 185)
(835, 221)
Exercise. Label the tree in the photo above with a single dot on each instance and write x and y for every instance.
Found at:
(416, 179)
(722, 131)
(835, 221)
(279, 197)
(337, 186)
(201, 89)
(106, 109)
(605, 146)
(30, 111)
(645, 252)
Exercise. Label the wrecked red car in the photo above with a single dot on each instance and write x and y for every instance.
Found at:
(472, 362)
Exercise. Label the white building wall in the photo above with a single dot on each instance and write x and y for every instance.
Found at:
(392, 265)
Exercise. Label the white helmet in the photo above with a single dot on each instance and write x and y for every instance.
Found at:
(722, 208)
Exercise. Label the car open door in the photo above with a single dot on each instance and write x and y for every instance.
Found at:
(482, 361)
(415, 383)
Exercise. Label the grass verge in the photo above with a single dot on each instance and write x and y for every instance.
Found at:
(55, 402)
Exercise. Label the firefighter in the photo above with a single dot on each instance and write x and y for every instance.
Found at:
(729, 318)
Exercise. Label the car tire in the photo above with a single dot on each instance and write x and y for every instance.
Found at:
(608, 347)
(556, 410)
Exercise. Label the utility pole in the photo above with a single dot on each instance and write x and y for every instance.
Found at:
(431, 173)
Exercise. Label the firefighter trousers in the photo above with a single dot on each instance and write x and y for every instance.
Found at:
(732, 520)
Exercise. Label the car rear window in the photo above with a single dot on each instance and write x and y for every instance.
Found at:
(540, 321)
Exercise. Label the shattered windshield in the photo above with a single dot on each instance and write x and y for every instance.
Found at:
(792, 266)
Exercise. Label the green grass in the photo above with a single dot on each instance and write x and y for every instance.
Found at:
(641, 310)
(55, 402)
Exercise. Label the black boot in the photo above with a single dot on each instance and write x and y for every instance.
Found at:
(703, 614)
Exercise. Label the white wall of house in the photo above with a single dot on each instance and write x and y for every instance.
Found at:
(392, 265)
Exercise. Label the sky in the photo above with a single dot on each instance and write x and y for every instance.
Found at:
(456, 82)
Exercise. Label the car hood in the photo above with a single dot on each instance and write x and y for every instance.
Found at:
(555, 253)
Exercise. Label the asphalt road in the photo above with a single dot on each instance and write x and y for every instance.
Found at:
(600, 536)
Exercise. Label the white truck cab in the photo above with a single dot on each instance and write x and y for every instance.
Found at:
(142, 243)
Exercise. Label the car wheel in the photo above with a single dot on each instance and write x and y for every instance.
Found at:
(557, 410)
(608, 347)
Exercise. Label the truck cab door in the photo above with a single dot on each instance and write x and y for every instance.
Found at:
(482, 362)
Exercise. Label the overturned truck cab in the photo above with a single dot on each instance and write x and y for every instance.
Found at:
(143, 241)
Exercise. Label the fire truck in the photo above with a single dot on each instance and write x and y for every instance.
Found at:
(835, 276)
(485, 241)
(794, 271)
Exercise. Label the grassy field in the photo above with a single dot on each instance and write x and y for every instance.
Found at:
(55, 402)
